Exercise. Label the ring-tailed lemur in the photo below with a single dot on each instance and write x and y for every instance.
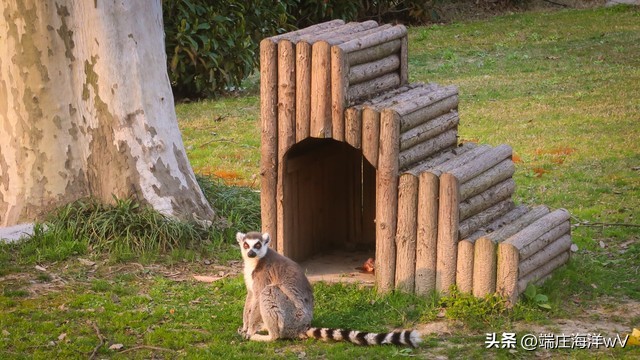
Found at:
(280, 300)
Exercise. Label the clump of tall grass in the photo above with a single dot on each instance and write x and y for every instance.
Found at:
(125, 227)
(239, 206)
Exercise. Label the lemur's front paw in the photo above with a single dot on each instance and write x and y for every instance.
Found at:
(242, 331)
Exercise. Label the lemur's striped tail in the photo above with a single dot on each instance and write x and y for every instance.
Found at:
(400, 337)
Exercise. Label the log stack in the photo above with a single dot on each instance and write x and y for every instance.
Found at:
(531, 254)
(307, 78)
(443, 212)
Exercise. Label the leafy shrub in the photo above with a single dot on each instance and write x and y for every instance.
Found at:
(309, 12)
(212, 45)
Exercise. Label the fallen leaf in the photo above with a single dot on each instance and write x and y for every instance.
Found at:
(574, 248)
(207, 279)
(442, 313)
(634, 338)
(62, 336)
(516, 158)
(594, 286)
(602, 244)
(539, 171)
(86, 262)
(40, 268)
(116, 347)
(5, 332)
(172, 311)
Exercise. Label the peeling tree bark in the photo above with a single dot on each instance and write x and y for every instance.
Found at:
(86, 109)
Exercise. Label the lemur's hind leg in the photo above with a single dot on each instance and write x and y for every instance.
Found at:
(276, 310)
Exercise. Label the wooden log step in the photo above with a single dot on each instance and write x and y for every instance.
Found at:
(555, 248)
(336, 34)
(507, 218)
(502, 171)
(344, 38)
(429, 112)
(475, 222)
(485, 261)
(427, 233)
(416, 104)
(386, 99)
(313, 29)
(544, 240)
(440, 158)
(423, 150)
(486, 199)
(542, 272)
(538, 228)
(509, 252)
(482, 163)
(406, 233)
(373, 87)
(460, 160)
(350, 31)
(376, 38)
(518, 224)
(374, 53)
(401, 97)
(428, 130)
(372, 70)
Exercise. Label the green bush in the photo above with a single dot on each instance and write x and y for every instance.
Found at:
(308, 12)
(212, 45)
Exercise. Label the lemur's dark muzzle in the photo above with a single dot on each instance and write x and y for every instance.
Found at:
(251, 254)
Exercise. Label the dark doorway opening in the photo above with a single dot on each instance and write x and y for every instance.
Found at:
(328, 207)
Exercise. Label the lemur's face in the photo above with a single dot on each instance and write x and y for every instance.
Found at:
(253, 244)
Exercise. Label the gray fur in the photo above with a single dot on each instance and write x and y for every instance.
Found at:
(280, 300)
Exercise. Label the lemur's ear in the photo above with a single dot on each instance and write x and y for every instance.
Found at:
(239, 237)
(266, 238)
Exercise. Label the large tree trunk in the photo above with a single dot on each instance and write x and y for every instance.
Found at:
(86, 109)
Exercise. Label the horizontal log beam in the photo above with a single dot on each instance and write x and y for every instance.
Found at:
(428, 130)
(427, 148)
(558, 246)
(377, 38)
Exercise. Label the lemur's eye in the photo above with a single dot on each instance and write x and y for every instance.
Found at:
(258, 246)
(245, 245)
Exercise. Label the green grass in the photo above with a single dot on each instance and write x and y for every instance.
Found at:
(561, 88)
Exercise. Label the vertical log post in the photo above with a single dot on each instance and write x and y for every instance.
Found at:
(427, 235)
(286, 129)
(353, 126)
(448, 218)
(464, 266)
(339, 85)
(303, 90)
(387, 200)
(371, 134)
(321, 90)
(269, 137)
(406, 233)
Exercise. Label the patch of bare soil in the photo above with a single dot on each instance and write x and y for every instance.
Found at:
(608, 318)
